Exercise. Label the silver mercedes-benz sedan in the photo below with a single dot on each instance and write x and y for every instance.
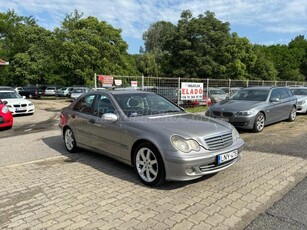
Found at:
(159, 139)
(255, 107)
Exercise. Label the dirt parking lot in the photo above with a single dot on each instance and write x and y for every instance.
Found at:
(42, 186)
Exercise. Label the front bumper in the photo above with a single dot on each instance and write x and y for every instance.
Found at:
(188, 168)
(22, 110)
(301, 109)
(6, 120)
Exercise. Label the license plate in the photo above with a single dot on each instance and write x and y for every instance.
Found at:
(223, 119)
(21, 109)
(227, 156)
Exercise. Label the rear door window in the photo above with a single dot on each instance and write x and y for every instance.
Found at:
(85, 104)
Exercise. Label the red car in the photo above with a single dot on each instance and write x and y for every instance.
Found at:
(6, 117)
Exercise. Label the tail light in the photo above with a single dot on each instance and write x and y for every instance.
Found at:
(63, 119)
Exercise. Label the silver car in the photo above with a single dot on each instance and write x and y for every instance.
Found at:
(256, 107)
(145, 130)
(301, 94)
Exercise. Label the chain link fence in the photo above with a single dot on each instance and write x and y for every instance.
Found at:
(171, 87)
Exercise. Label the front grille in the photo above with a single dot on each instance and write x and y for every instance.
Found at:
(18, 106)
(227, 114)
(216, 113)
(220, 141)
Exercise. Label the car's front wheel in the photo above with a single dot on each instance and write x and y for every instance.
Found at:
(292, 114)
(148, 165)
(70, 141)
(259, 122)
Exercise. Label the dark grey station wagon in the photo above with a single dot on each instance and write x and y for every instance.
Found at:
(255, 107)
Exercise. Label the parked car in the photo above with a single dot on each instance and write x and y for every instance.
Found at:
(4, 88)
(216, 94)
(16, 103)
(301, 94)
(145, 130)
(256, 107)
(6, 117)
(31, 92)
(78, 91)
(64, 92)
(17, 89)
(230, 90)
(51, 90)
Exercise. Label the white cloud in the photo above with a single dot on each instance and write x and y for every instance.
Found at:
(135, 16)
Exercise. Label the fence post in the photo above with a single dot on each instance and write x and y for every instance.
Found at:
(95, 80)
(178, 91)
(229, 85)
(142, 82)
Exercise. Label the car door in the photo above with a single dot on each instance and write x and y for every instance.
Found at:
(274, 108)
(286, 103)
(105, 134)
(81, 114)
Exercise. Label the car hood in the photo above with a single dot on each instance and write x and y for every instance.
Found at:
(236, 105)
(17, 101)
(186, 125)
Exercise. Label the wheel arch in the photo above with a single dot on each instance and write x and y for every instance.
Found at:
(137, 143)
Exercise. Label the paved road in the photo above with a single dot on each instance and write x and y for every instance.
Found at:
(288, 213)
(42, 186)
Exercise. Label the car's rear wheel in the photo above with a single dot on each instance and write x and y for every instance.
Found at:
(70, 141)
(259, 122)
(292, 114)
(149, 165)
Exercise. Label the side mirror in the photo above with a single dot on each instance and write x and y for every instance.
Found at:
(274, 99)
(110, 117)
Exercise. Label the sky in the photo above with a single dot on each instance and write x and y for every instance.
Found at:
(265, 22)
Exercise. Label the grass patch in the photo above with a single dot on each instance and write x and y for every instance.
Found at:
(197, 109)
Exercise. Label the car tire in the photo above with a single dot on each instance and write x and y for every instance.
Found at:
(148, 165)
(70, 141)
(259, 122)
(292, 114)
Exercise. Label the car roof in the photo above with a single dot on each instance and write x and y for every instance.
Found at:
(266, 87)
(118, 92)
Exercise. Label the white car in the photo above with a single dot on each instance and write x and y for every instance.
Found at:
(16, 103)
(78, 91)
(301, 94)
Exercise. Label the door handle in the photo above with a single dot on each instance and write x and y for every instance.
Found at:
(92, 121)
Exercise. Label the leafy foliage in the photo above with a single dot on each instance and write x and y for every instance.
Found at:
(196, 47)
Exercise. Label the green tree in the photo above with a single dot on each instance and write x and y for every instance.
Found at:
(89, 46)
(198, 44)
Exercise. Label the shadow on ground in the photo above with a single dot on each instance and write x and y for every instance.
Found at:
(107, 165)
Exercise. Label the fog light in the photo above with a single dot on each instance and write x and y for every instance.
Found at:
(189, 170)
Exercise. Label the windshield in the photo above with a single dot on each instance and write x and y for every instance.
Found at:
(217, 91)
(78, 91)
(142, 104)
(9, 95)
(251, 95)
(299, 91)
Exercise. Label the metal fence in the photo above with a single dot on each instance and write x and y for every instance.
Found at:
(169, 84)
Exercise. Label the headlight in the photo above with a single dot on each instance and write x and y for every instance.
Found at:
(30, 104)
(235, 134)
(246, 113)
(301, 102)
(184, 145)
(5, 109)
